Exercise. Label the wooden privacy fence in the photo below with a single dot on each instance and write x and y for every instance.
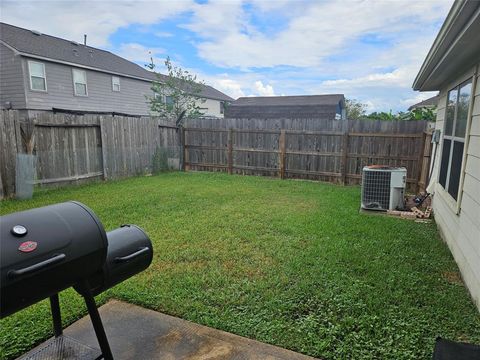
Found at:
(78, 148)
(336, 155)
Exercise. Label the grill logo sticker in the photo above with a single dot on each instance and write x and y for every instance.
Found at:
(27, 246)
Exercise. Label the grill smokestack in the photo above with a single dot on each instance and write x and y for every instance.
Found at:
(85, 39)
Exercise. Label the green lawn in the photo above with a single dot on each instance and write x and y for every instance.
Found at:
(291, 263)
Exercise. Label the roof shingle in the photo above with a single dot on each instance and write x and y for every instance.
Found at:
(34, 43)
(330, 99)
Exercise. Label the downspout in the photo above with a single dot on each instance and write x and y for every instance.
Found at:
(467, 137)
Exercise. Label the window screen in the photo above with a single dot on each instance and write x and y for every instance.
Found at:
(456, 119)
(115, 83)
(37, 76)
(80, 82)
(455, 167)
(451, 106)
(444, 164)
(462, 111)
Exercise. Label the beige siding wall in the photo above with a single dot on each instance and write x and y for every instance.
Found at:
(459, 223)
(210, 107)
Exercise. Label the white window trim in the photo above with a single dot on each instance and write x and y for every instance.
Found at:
(73, 81)
(113, 83)
(455, 205)
(30, 75)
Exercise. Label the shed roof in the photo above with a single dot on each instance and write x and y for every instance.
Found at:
(36, 44)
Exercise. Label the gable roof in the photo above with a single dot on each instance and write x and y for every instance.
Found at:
(303, 100)
(455, 49)
(430, 102)
(34, 44)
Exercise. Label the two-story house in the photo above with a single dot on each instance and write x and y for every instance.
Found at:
(40, 72)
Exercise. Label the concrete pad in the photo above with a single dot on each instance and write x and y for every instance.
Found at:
(138, 333)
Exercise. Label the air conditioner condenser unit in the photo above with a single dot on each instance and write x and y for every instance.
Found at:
(383, 187)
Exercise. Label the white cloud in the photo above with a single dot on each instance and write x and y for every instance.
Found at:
(230, 87)
(418, 98)
(71, 19)
(141, 54)
(264, 90)
(324, 29)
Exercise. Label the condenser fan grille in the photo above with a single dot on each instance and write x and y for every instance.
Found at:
(376, 189)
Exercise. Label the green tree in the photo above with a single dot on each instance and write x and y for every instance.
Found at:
(388, 116)
(420, 114)
(355, 109)
(177, 94)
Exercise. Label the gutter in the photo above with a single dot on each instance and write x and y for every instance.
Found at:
(452, 45)
(461, 15)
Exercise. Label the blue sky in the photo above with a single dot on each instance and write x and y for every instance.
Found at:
(367, 50)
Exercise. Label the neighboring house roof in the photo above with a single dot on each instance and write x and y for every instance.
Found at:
(34, 44)
(304, 100)
(303, 106)
(428, 103)
(455, 49)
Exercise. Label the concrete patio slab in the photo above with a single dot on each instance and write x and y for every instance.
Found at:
(138, 333)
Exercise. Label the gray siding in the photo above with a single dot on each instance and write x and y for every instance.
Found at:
(130, 99)
(11, 84)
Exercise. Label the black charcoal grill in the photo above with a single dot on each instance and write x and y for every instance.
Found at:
(46, 250)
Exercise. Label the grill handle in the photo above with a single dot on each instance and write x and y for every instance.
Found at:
(141, 251)
(12, 274)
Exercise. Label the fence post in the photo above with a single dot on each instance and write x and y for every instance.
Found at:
(8, 152)
(103, 145)
(230, 151)
(344, 157)
(183, 137)
(421, 161)
(282, 152)
(428, 155)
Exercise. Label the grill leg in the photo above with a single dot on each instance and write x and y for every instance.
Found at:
(96, 322)
(56, 315)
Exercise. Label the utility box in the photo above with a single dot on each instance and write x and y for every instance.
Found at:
(383, 187)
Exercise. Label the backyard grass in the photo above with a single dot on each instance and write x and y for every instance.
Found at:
(290, 263)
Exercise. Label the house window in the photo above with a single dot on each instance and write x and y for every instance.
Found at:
(80, 82)
(222, 107)
(169, 102)
(454, 137)
(115, 83)
(38, 80)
